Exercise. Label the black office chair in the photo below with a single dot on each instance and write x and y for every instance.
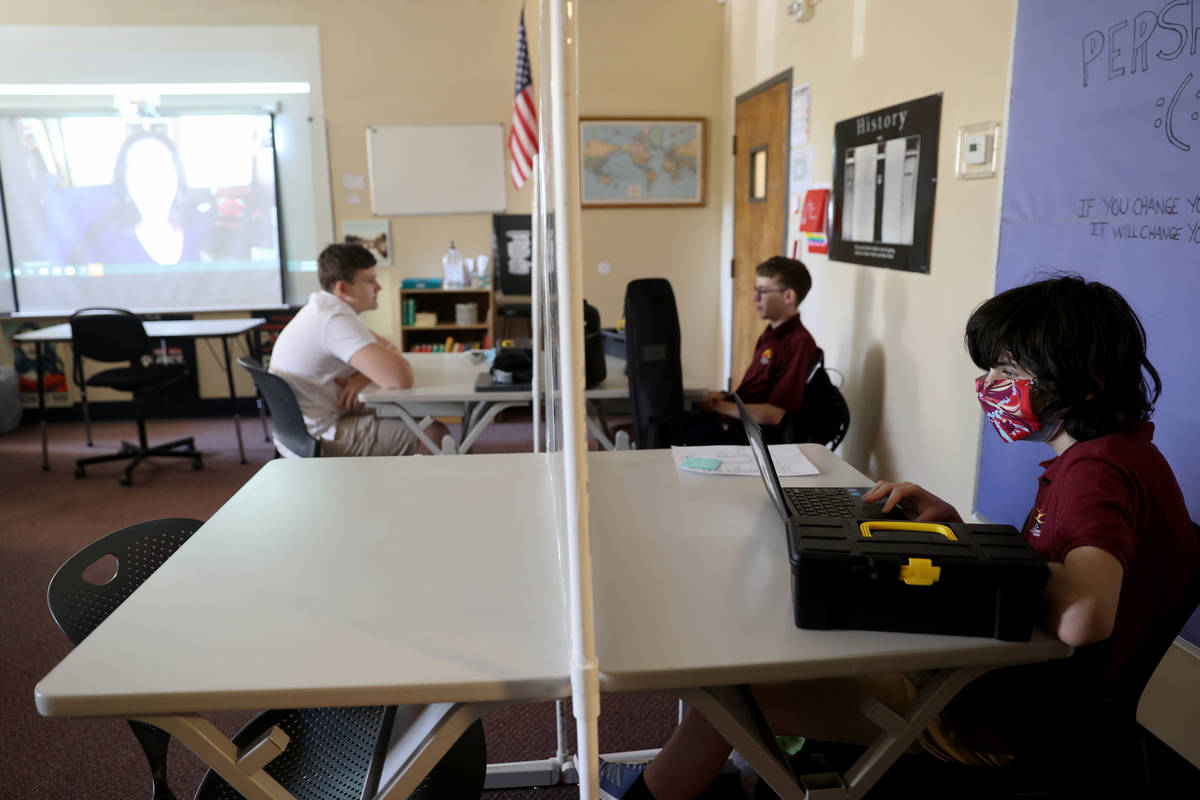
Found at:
(824, 416)
(333, 753)
(290, 429)
(653, 362)
(112, 335)
(78, 605)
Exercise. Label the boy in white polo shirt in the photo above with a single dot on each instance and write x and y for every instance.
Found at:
(327, 354)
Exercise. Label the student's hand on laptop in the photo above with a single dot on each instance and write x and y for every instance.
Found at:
(919, 504)
(348, 397)
(708, 402)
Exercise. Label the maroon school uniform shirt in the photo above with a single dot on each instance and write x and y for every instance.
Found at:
(777, 373)
(1118, 493)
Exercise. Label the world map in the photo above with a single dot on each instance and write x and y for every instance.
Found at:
(640, 162)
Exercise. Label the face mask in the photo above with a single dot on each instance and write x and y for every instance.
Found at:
(1007, 405)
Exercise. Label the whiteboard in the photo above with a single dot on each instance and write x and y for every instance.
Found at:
(436, 169)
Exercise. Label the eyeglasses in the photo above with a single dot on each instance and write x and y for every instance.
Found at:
(760, 292)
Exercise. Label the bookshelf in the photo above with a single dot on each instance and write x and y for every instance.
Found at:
(441, 303)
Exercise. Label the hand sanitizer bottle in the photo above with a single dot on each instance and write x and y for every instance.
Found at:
(452, 268)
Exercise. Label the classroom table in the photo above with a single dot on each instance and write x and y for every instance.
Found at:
(693, 597)
(444, 385)
(363, 581)
(156, 329)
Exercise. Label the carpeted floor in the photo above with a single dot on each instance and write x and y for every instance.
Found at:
(47, 516)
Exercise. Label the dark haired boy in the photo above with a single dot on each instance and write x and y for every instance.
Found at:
(1065, 364)
(328, 355)
(783, 355)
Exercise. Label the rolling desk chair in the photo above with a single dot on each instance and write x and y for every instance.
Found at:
(290, 430)
(332, 753)
(652, 356)
(111, 335)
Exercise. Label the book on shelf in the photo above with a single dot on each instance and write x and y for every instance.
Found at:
(449, 346)
(421, 283)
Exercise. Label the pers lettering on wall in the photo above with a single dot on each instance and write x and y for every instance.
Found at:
(884, 173)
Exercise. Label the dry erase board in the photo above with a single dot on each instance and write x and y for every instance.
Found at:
(1101, 179)
(436, 169)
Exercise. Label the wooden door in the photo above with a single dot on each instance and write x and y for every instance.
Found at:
(760, 188)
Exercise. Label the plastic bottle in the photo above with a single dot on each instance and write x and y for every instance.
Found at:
(452, 269)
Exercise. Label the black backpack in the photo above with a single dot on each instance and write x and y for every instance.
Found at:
(824, 416)
(594, 368)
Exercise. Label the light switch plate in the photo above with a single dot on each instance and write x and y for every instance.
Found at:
(977, 151)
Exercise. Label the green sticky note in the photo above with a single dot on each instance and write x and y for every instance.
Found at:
(706, 464)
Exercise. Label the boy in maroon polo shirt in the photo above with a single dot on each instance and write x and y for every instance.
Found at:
(783, 355)
(1066, 365)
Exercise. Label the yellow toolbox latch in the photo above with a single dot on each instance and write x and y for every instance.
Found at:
(920, 572)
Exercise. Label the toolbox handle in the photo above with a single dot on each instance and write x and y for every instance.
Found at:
(883, 526)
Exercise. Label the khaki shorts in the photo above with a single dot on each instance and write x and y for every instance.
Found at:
(364, 434)
(942, 740)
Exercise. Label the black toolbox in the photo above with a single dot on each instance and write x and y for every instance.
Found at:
(886, 575)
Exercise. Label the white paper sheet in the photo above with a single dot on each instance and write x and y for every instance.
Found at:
(738, 460)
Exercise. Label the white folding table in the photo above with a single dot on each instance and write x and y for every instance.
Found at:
(221, 329)
(691, 578)
(444, 385)
(342, 582)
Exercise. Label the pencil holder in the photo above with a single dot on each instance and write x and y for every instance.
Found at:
(465, 313)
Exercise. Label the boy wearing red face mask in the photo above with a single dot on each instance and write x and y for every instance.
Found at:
(1066, 365)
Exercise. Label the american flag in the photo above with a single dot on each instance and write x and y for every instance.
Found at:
(522, 139)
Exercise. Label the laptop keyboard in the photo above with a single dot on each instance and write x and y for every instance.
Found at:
(821, 502)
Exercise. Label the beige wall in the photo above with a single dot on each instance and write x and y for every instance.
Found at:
(448, 61)
(664, 58)
(897, 336)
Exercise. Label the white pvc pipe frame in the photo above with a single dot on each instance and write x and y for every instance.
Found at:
(562, 17)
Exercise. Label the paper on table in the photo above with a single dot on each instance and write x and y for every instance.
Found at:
(738, 460)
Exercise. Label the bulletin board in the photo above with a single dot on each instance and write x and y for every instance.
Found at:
(436, 169)
(1101, 179)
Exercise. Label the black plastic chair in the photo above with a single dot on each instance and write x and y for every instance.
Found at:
(79, 605)
(113, 335)
(332, 754)
(290, 430)
(337, 753)
(652, 356)
(824, 416)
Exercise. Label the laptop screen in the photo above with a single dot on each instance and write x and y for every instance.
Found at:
(766, 467)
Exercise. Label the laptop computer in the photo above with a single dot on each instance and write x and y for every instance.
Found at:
(796, 505)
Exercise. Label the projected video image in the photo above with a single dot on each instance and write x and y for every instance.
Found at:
(162, 213)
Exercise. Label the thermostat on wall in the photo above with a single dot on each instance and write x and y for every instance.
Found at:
(977, 149)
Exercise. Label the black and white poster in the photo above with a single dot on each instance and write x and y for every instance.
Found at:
(512, 241)
(884, 175)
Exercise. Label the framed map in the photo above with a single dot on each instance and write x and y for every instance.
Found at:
(641, 161)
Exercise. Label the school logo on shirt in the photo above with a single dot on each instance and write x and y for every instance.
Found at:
(1039, 516)
(765, 358)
